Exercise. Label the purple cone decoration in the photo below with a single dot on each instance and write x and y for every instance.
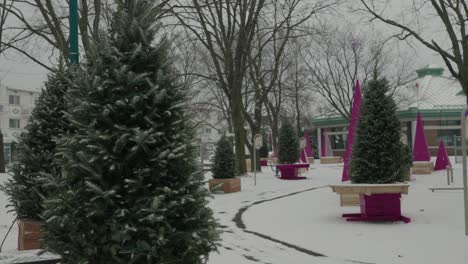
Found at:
(420, 150)
(442, 158)
(357, 101)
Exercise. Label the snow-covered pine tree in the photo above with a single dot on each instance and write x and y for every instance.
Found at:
(263, 151)
(288, 144)
(377, 153)
(131, 190)
(224, 162)
(36, 148)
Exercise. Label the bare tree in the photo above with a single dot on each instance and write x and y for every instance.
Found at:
(453, 16)
(43, 25)
(342, 56)
(226, 29)
(280, 23)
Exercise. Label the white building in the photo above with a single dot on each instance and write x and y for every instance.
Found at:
(16, 106)
(211, 125)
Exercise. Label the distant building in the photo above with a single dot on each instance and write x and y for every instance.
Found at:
(16, 106)
(440, 100)
(211, 125)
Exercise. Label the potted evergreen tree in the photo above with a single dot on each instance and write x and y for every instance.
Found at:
(224, 168)
(263, 152)
(377, 163)
(288, 153)
(131, 189)
(35, 153)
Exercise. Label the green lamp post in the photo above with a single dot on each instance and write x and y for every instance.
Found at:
(74, 55)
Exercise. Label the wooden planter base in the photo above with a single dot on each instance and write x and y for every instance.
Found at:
(330, 160)
(311, 160)
(349, 199)
(422, 167)
(29, 234)
(225, 185)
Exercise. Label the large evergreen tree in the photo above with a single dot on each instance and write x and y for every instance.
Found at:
(36, 148)
(377, 153)
(224, 162)
(288, 144)
(131, 190)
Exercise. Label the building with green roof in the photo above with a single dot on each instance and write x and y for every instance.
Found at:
(440, 99)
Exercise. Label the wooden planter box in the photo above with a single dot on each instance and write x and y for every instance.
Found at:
(349, 199)
(291, 171)
(331, 160)
(226, 185)
(29, 234)
(423, 167)
(378, 202)
(311, 160)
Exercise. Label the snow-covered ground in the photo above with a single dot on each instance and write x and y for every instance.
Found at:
(311, 222)
(281, 222)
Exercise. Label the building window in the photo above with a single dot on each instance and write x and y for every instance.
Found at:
(14, 123)
(207, 130)
(451, 137)
(14, 99)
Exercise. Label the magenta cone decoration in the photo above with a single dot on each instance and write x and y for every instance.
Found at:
(442, 158)
(357, 101)
(420, 150)
(308, 148)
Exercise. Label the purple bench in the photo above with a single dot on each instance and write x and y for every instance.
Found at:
(291, 171)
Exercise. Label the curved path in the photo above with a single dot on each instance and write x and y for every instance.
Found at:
(243, 245)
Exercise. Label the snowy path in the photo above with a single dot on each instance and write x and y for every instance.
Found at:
(242, 244)
(277, 222)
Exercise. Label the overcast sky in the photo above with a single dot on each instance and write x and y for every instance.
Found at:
(19, 72)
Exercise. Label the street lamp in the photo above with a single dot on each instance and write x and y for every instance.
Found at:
(73, 9)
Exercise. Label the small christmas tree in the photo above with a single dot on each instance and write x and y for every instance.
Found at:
(263, 151)
(288, 144)
(377, 155)
(36, 148)
(224, 162)
(131, 189)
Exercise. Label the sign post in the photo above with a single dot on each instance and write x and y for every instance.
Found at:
(258, 142)
(74, 45)
(464, 124)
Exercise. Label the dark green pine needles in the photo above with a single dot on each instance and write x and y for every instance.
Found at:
(131, 190)
(36, 148)
(224, 163)
(377, 153)
(288, 144)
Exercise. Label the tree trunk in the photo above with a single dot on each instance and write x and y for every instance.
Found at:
(2, 158)
(238, 124)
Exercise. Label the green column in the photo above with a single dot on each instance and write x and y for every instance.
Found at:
(74, 56)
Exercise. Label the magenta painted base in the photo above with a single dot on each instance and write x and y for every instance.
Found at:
(379, 207)
(290, 171)
(263, 162)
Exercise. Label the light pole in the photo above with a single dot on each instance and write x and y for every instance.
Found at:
(74, 55)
